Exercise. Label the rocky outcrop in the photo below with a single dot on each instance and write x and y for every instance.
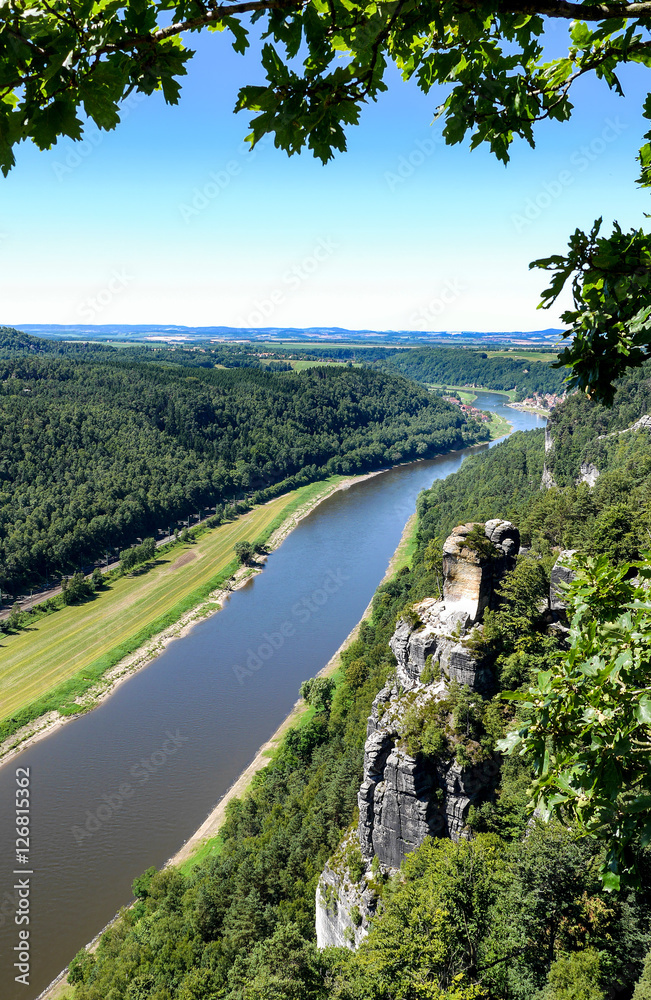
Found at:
(470, 576)
(346, 899)
(547, 478)
(398, 808)
(405, 798)
(439, 636)
(549, 441)
(643, 424)
(561, 573)
(588, 473)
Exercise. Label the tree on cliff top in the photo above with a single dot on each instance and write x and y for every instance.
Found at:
(323, 60)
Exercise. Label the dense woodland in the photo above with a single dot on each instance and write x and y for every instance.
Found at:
(503, 916)
(612, 518)
(459, 367)
(426, 365)
(15, 342)
(100, 447)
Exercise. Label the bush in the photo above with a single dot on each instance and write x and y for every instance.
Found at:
(643, 988)
(575, 977)
(423, 729)
(244, 552)
(318, 693)
(15, 617)
(75, 589)
(411, 617)
(138, 554)
(141, 885)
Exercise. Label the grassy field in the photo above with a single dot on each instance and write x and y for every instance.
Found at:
(55, 659)
(210, 849)
(300, 366)
(470, 395)
(499, 426)
(524, 355)
(404, 554)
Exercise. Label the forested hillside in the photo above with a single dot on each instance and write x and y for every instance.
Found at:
(516, 913)
(14, 343)
(98, 448)
(459, 367)
(612, 518)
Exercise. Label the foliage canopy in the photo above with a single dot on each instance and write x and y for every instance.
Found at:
(588, 718)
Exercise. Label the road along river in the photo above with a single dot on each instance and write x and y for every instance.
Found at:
(123, 787)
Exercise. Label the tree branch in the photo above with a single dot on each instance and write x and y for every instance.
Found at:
(564, 9)
(574, 11)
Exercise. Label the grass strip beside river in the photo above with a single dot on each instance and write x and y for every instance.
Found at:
(58, 658)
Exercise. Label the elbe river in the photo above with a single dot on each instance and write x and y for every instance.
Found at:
(180, 731)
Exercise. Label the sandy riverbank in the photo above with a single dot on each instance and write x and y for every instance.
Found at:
(129, 665)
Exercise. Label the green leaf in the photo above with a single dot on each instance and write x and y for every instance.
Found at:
(643, 710)
(611, 881)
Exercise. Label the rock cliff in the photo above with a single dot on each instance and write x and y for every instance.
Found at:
(347, 897)
(547, 477)
(405, 797)
(561, 573)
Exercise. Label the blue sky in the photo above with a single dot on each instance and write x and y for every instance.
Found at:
(169, 219)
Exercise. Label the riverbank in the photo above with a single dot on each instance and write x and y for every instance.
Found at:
(110, 646)
(201, 843)
(468, 394)
(205, 841)
(528, 408)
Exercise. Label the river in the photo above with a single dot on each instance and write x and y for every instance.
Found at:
(179, 732)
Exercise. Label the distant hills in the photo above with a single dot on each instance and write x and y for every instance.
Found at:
(318, 334)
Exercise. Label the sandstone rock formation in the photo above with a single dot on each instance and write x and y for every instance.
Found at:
(547, 478)
(469, 576)
(403, 799)
(345, 904)
(588, 473)
(643, 424)
(560, 574)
